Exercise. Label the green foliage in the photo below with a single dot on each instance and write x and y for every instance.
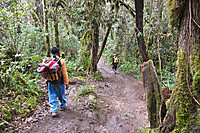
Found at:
(22, 48)
(128, 60)
(21, 45)
(20, 94)
(85, 90)
(144, 129)
(168, 79)
(128, 115)
(71, 68)
(97, 76)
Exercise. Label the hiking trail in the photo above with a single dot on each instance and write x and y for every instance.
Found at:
(118, 107)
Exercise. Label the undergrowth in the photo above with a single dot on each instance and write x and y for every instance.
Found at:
(85, 90)
(20, 93)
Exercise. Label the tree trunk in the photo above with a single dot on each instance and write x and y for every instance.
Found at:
(139, 5)
(153, 94)
(95, 46)
(159, 6)
(57, 41)
(183, 112)
(46, 25)
(1, 83)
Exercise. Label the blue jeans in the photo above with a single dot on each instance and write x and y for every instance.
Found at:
(56, 90)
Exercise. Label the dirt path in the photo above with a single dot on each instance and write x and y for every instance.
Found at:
(117, 108)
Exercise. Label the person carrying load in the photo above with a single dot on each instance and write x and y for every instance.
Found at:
(55, 70)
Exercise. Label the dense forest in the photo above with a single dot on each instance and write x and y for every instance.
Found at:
(164, 31)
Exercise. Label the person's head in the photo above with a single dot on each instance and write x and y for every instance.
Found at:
(55, 50)
(114, 55)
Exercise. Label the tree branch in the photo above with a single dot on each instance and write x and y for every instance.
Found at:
(196, 23)
(7, 123)
(104, 42)
(128, 7)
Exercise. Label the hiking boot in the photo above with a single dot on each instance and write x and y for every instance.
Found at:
(54, 114)
(62, 109)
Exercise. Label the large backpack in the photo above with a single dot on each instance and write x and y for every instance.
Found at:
(51, 69)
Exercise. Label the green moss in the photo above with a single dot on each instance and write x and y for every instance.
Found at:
(167, 103)
(195, 60)
(196, 73)
(154, 99)
(185, 102)
(175, 11)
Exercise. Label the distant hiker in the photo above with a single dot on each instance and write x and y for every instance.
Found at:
(57, 89)
(115, 63)
(63, 55)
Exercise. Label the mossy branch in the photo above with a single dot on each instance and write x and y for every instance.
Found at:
(104, 42)
(87, 48)
(36, 17)
(128, 7)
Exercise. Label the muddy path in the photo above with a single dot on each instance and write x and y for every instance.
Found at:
(118, 107)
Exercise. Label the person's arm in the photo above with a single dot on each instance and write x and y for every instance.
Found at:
(64, 73)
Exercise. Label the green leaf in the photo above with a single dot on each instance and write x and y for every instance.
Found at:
(2, 123)
(128, 115)
(194, 77)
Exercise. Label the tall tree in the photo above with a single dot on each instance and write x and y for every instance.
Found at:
(139, 6)
(55, 19)
(95, 46)
(47, 41)
(57, 5)
(159, 6)
(183, 108)
(96, 16)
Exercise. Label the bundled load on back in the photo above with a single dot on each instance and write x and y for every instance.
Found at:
(51, 69)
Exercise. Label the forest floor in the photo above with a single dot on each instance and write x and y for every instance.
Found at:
(117, 107)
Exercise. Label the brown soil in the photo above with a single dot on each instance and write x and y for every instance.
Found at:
(118, 107)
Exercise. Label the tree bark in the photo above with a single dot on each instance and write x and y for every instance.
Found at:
(139, 5)
(182, 110)
(153, 94)
(46, 25)
(1, 83)
(95, 46)
(57, 41)
(159, 6)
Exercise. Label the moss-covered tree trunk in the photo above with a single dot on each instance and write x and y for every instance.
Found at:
(183, 110)
(153, 94)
